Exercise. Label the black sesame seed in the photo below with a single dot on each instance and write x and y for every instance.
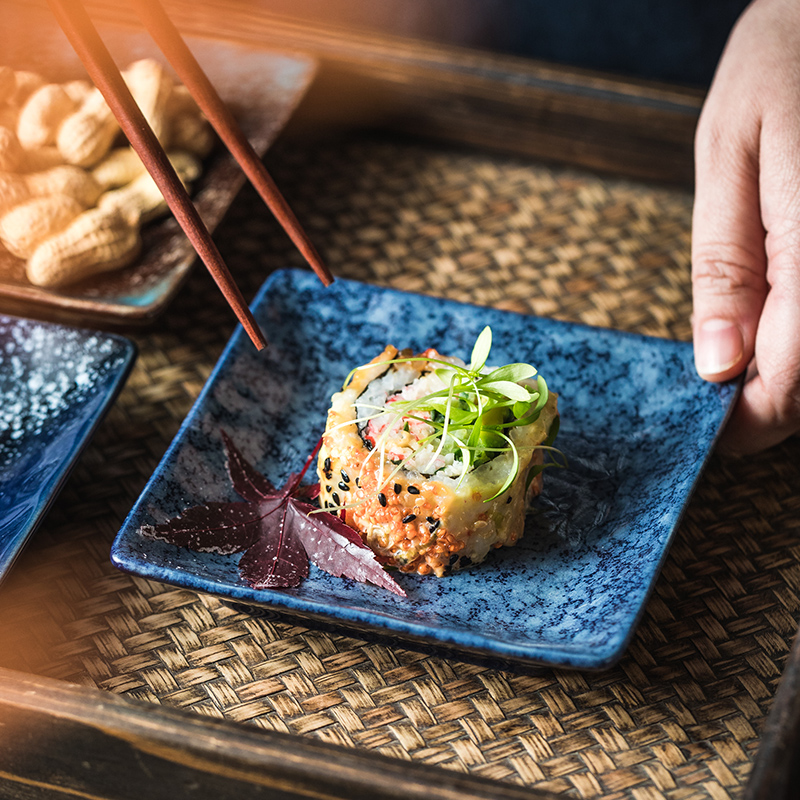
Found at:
(431, 520)
(413, 490)
(345, 476)
(329, 489)
(510, 498)
(398, 488)
(327, 465)
(336, 500)
(328, 475)
(382, 499)
(358, 483)
(343, 486)
(453, 559)
(409, 518)
(434, 525)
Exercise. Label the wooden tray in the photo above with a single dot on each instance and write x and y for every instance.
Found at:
(109, 684)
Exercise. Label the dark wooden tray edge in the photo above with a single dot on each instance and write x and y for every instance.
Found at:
(59, 740)
(609, 123)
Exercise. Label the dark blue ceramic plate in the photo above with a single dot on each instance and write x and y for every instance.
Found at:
(637, 427)
(56, 383)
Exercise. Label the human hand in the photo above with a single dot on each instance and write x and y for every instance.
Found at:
(746, 226)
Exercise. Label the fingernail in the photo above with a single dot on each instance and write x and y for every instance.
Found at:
(718, 345)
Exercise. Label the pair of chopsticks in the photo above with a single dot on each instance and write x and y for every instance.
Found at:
(105, 74)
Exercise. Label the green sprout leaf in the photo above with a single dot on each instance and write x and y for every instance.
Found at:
(513, 391)
(512, 473)
(471, 417)
(512, 372)
(537, 469)
(521, 408)
(480, 352)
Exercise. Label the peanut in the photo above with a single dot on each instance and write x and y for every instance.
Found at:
(186, 165)
(86, 135)
(13, 191)
(40, 159)
(78, 90)
(25, 84)
(27, 225)
(119, 167)
(42, 115)
(191, 132)
(151, 88)
(42, 205)
(10, 150)
(65, 179)
(181, 102)
(96, 241)
(141, 200)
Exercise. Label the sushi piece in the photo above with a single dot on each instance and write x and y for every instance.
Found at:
(432, 461)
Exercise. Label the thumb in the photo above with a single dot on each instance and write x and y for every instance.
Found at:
(729, 283)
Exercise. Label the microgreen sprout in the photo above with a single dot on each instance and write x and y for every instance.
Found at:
(472, 416)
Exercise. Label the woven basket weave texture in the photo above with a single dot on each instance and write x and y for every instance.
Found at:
(678, 718)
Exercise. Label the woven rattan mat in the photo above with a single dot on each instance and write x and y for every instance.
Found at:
(679, 717)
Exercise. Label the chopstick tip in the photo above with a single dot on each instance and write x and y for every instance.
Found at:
(254, 332)
(318, 265)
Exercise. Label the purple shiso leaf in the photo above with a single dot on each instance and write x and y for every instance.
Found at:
(213, 528)
(276, 558)
(307, 492)
(247, 481)
(336, 548)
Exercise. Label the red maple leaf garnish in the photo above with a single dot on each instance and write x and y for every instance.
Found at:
(275, 530)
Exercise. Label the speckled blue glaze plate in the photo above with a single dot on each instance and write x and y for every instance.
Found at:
(56, 383)
(637, 428)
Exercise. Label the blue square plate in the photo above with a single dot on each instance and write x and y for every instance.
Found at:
(56, 383)
(637, 428)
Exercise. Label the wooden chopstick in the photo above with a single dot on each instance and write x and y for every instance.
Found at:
(191, 74)
(105, 74)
